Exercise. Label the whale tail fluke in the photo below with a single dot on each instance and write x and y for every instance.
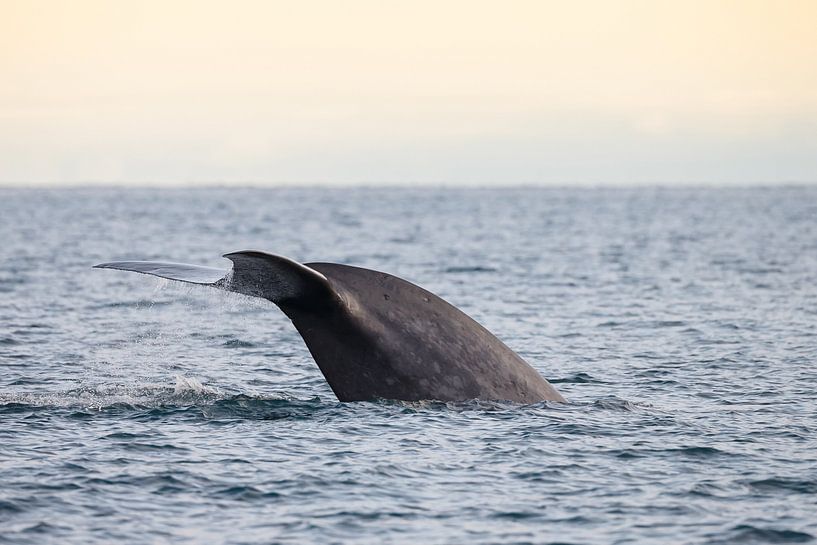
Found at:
(257, 274)
(182, 272)
(276, 278)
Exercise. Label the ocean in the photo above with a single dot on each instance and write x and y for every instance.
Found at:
(679, 323)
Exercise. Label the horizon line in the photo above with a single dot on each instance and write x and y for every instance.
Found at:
(146, 184)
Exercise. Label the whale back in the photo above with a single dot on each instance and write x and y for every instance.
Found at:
(426, 347)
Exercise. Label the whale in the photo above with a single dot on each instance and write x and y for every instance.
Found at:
(373, 335)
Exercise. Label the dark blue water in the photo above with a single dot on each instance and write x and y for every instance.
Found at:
(681, 324)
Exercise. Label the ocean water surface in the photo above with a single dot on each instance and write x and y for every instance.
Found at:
(680, 324)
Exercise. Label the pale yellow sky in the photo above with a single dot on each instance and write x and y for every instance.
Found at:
(403, 92)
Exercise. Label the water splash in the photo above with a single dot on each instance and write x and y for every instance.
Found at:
(187, 385)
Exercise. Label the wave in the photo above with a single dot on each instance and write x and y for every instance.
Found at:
(185, 390)
(188, 395)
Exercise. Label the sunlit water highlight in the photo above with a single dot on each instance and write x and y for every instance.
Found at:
(681, 325)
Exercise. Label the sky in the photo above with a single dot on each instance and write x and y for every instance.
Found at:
(396, 92)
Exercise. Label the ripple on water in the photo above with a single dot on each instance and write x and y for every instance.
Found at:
(745, 533)
(785, 485)
(237, 343)
(679, 323)
(578, 378)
